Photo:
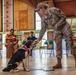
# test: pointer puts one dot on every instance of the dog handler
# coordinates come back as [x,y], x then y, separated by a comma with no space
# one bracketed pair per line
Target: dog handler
[57,20]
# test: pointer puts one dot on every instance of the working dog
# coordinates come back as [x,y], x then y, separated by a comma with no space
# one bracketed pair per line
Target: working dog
[19,57]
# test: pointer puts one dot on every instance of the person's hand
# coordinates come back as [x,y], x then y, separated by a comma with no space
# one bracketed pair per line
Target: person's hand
[14,43]
[6,44]
[36,41]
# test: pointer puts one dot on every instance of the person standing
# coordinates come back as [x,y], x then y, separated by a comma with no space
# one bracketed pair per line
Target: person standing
[57,20]
[11,43]
[33,38]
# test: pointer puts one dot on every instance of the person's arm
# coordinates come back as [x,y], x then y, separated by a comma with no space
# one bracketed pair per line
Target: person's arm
[7,40]
[43,29]
[28,38]
[16,41]
[61,16]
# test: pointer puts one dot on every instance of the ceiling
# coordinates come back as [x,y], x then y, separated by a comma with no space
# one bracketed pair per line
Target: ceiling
[67,6]
[33,3]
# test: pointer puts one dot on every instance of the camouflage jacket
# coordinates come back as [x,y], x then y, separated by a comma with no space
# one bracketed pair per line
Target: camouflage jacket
[56,16]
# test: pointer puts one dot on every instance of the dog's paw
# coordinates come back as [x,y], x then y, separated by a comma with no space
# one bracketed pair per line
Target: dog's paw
[15,70]
[6,70]
[27,70]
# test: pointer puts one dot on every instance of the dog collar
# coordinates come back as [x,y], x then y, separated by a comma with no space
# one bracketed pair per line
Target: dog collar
[25,48]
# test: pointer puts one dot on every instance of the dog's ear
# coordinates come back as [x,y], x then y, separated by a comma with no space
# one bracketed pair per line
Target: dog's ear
[28,43]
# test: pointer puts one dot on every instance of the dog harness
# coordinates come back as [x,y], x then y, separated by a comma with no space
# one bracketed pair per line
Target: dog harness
[25,48]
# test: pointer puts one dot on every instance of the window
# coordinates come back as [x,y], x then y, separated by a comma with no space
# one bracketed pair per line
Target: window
[38,22]
[38,27]
[72,22]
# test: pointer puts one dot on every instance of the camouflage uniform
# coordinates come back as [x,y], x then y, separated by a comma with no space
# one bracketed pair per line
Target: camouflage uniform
[57,17]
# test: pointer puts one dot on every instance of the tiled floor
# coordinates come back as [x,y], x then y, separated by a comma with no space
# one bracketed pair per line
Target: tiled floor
[41,64]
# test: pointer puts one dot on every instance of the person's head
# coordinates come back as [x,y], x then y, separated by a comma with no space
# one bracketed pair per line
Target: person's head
[29,43]
[31,33]
[11,31]
[41,9]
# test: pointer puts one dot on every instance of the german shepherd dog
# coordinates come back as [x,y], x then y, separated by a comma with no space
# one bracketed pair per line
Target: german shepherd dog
[19,57]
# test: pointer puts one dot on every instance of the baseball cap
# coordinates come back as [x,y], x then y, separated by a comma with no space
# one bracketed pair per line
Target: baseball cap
[40,5]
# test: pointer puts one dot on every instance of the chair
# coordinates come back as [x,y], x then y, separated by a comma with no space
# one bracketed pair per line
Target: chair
[24,42]
[50,42]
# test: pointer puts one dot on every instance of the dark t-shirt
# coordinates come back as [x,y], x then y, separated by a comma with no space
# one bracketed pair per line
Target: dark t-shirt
[31,38]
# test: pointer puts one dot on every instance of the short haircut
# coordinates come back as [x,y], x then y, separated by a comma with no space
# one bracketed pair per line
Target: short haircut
[11,29]
[31,32]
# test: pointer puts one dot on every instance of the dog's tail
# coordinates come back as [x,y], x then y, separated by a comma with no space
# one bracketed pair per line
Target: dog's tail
[10,67]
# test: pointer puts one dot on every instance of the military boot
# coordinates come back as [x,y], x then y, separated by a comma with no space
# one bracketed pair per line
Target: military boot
[58,65]
[73,52]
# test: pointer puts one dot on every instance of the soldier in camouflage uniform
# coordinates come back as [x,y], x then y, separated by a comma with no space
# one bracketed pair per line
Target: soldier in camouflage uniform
[56,18]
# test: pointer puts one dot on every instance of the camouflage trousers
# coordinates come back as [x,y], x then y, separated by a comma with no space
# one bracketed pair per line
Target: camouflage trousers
[65,32]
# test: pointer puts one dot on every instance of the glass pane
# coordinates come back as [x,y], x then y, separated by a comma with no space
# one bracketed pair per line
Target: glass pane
[38,25]
[74,21]
[69,21]
[37,17]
